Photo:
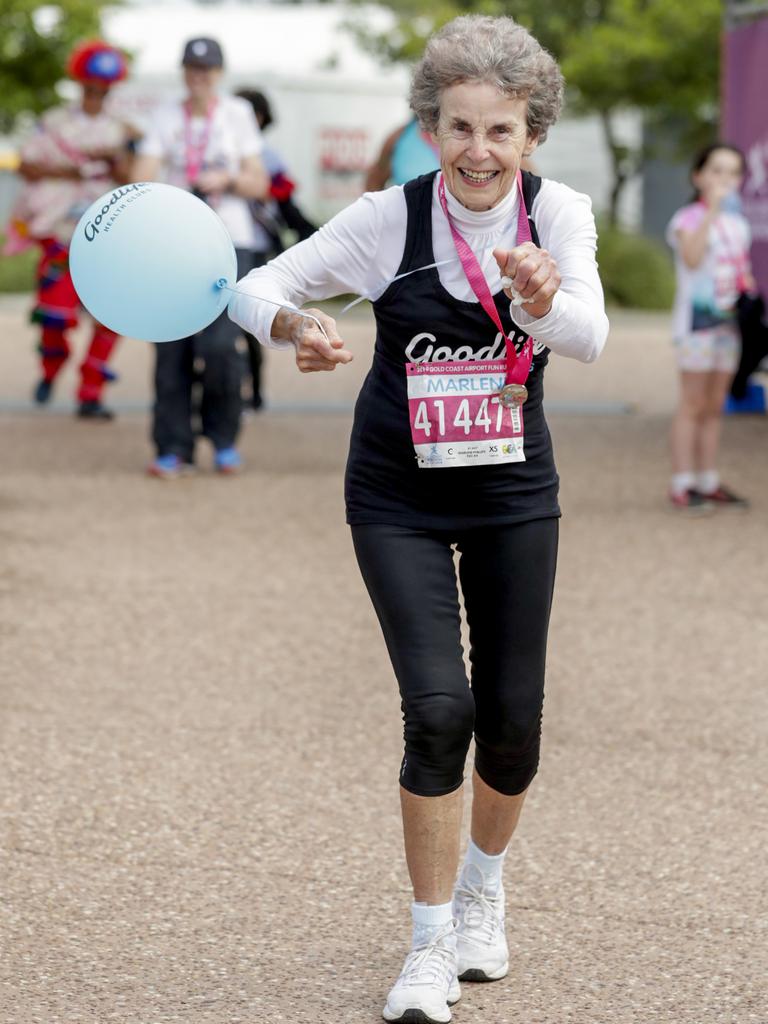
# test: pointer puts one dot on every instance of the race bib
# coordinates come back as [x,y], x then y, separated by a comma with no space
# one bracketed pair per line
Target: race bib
[456,416]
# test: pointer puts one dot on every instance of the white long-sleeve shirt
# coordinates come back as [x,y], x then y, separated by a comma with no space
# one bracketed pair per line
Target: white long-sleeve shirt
[361,248]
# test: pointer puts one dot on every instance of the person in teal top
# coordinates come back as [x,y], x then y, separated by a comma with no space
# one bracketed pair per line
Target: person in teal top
[407,153]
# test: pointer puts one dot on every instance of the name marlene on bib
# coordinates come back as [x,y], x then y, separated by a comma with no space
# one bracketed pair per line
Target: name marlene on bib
[456,417]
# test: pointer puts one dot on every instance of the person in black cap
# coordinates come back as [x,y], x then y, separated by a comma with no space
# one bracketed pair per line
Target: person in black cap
[210,144]
[202,53]
[271,218]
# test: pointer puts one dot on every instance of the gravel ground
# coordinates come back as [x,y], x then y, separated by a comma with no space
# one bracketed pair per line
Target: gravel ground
[201,733]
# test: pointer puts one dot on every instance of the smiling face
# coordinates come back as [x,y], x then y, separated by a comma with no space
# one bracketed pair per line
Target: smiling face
[483,135]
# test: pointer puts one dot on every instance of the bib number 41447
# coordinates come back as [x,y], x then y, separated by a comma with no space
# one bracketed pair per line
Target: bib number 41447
[489,418]
[457,418]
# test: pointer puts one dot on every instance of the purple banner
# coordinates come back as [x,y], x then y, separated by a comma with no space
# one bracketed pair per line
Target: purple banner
[745,123]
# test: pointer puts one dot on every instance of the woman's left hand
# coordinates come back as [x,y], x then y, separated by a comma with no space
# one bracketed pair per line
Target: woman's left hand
[534,276]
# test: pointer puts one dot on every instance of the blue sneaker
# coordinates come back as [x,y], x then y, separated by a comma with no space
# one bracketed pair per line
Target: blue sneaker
[228,460]
[169,467]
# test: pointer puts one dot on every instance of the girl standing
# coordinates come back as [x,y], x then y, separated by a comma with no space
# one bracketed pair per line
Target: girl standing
[711,241]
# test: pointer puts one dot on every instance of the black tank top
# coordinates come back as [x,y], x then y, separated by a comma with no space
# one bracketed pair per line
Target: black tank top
[416,318]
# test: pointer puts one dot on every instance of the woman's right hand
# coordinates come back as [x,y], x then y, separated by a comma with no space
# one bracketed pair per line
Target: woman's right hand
[314,351]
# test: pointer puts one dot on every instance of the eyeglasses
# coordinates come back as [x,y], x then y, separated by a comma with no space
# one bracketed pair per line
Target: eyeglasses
[498,136]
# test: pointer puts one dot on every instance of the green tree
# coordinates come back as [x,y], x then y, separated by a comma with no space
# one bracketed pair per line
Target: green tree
[659,57]
[35,41]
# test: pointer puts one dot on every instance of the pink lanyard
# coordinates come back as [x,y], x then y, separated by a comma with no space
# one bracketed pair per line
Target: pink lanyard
[75,155]
[733,253]
[518,364]
[194,154]
[78,158]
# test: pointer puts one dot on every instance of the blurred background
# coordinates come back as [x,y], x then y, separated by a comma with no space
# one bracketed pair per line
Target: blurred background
[648,84]
[200,731]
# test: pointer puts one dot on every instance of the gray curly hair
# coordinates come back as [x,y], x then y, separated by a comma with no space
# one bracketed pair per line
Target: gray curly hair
[479,48]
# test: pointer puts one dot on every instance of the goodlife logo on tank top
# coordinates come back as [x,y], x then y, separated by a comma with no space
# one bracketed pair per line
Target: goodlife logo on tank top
[422,349]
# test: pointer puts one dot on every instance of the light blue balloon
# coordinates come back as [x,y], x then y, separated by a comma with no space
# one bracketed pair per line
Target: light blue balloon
[150,261]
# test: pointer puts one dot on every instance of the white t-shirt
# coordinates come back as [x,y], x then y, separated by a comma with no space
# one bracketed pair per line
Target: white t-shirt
[361,248]
[706,295]
[230,135]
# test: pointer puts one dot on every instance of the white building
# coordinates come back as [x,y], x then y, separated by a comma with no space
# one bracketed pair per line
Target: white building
[333,103]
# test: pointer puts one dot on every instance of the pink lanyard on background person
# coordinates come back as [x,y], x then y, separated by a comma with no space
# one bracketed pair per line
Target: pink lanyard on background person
[734,253]
[194,153]
[514,391]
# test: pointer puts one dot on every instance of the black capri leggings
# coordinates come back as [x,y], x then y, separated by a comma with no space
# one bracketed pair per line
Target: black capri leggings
[507,575]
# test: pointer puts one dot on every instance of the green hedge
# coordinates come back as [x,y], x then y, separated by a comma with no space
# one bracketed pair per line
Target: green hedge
[17,273]
[636,271]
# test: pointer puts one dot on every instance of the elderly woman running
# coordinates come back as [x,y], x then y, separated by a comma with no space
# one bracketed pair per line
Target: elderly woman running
[476,272]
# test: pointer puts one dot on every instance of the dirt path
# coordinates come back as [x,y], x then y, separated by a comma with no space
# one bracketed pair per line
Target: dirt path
[201,734]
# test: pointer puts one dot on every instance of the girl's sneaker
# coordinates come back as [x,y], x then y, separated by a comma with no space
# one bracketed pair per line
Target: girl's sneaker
[724,498]
[228,461]
[169,467]
[427,986]
[691,503]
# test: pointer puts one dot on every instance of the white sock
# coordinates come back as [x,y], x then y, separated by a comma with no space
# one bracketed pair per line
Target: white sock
[707,481]
[492,865]
[682,482]
[429,920]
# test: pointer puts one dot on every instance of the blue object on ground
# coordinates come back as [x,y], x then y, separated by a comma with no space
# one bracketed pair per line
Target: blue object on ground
[752,402]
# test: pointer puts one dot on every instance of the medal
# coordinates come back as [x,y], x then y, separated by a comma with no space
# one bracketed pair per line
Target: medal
[512,395]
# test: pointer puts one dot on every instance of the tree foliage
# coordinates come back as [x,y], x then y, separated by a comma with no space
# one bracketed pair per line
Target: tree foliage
[35,41]
[659,57]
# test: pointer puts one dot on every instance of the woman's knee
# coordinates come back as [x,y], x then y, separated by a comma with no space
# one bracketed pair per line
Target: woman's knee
[438,730]
[507,752]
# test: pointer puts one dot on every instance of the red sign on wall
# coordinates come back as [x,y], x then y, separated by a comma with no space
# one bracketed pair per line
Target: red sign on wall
[343,150]
[343,158]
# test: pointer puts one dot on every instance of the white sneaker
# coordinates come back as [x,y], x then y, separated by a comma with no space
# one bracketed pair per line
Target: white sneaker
[480,939]
[427,986]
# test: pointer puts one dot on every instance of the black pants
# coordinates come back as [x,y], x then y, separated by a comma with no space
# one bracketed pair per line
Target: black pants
[507,576]
[255,350]
[220,405]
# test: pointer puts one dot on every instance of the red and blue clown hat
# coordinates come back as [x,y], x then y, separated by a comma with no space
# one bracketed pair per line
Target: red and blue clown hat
[96,61]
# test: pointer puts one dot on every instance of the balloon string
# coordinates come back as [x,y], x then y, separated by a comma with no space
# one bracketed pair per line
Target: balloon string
[221,283]
[505,281]
[399,277]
